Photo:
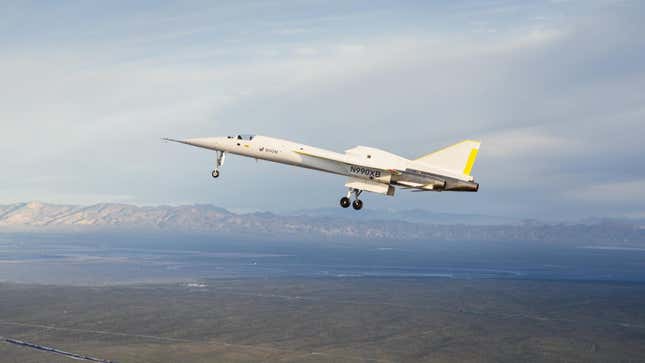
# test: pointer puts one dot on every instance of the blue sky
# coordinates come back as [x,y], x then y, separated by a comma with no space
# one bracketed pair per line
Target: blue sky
[554,89]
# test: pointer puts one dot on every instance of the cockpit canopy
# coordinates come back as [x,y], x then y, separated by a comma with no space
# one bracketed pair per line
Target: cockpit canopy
[248,137]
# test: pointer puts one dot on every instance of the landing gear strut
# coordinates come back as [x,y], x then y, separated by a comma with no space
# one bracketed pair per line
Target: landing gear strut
[345,202]
[218,163]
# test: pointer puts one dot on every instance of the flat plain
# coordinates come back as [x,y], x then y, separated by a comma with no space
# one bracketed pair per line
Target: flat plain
[329,319]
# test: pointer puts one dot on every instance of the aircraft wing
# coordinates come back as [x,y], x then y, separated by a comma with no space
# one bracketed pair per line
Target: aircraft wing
[345,159]
[319,155]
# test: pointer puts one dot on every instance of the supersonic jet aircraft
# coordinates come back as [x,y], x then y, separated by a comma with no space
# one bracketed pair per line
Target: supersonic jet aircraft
[367,169]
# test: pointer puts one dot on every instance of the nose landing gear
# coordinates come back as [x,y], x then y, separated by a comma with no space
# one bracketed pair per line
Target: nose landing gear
[345,202]
[218,163]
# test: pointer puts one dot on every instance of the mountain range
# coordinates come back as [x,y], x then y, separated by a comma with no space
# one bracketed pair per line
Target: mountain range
[321,224]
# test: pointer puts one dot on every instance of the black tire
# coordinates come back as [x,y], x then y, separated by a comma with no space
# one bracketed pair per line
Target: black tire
[215,173]
[344,202]
[358,204]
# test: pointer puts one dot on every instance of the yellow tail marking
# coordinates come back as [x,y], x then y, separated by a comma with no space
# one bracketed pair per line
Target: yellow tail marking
[471,161]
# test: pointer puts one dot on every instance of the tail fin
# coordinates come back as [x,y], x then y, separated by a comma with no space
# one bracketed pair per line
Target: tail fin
[459,157]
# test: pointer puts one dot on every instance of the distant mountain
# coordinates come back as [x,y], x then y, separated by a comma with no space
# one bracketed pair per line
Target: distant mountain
[37,216]
[310,225]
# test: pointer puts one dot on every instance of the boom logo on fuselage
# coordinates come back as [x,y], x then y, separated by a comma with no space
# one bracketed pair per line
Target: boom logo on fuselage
[365,171]
[267,150]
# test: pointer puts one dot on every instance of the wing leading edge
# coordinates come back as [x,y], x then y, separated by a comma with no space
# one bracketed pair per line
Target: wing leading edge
[349,159]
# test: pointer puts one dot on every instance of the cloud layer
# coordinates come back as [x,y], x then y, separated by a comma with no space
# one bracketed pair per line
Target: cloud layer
[555,91]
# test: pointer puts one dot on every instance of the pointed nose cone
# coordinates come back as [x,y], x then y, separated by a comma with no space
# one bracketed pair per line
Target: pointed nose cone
[213,143]
[205,142]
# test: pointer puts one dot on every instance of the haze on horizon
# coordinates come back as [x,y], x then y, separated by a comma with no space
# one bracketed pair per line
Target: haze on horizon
[554,89]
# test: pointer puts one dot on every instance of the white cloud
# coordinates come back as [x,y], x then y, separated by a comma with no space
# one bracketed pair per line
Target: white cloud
[532,142]
[548,97]
[306,51]
[622,192]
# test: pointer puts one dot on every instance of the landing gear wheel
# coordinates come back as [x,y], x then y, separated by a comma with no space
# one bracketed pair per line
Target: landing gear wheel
[215,173]
[358,204]
[344,202]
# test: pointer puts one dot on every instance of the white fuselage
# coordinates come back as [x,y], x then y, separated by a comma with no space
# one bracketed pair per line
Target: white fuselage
[276,150]
[365,163]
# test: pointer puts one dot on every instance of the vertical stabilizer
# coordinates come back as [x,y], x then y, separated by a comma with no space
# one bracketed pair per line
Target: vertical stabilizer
[458,158]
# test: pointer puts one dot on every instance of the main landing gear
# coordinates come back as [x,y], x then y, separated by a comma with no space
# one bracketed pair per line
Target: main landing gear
[218,163]
[357,204]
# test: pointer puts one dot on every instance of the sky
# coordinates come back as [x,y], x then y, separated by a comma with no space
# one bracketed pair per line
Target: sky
[555,90]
